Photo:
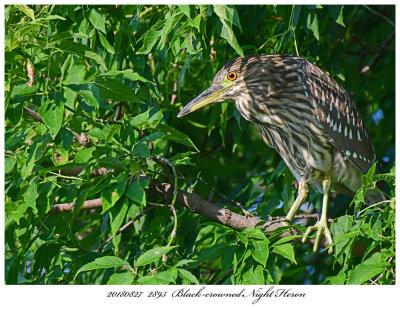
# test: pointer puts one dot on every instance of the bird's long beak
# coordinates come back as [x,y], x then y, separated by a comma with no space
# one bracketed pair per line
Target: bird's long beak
[208,96]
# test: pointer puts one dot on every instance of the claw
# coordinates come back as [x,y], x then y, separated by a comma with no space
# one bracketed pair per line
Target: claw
[322,229]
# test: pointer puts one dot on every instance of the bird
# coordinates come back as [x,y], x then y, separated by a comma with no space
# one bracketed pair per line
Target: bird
[307,117]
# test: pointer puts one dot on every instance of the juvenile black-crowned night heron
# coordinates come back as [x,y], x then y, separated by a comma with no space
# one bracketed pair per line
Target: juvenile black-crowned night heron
[306,116]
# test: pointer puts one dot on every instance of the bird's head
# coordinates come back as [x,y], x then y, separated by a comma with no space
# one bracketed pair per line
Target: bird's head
[226,85]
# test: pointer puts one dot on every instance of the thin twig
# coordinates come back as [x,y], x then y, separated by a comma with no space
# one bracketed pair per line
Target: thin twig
[174,181]
[374,205]
[236,203]
[380,15]
[173,233]
[117,112]
[224,276]
[366,68]
[82,139]
[171,206]
[380,276]
[145,211]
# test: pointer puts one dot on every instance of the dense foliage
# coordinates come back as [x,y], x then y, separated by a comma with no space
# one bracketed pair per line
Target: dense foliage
[91,98]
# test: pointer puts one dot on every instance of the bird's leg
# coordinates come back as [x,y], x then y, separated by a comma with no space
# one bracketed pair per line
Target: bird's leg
[322,225]
[302,194]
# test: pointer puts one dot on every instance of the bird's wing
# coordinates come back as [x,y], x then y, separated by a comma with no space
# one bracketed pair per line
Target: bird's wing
[340,118]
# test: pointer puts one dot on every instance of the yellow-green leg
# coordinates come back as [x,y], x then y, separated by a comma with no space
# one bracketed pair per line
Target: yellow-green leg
[322,225]
[302,194]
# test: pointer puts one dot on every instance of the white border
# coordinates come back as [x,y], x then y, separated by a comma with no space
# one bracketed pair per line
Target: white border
[21,296]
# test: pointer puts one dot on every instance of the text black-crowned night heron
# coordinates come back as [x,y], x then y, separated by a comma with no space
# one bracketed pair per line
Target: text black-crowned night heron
[306,116]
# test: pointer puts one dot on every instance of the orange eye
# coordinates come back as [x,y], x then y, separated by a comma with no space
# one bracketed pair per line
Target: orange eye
[232,75]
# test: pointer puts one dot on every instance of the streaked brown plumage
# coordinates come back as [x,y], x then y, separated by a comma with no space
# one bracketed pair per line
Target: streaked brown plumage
[306,116]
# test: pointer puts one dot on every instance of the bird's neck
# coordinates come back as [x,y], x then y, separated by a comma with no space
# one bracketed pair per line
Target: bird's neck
[253,111]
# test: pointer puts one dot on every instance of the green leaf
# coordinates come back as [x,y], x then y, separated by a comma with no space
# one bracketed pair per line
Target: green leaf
[181,76]
[111,89]
[23,89]
[254,232]
[371,267]
[211,253]
[52,112]
[113,163]
[225,15]
[69,47]
[336,12]
[117,215]
[286,239]
[176,136]
[258,275]
[75,75]
[185,9]
[260,251]
[188,276]
[111,194]
[89,93]
[84,155]
[105,44]
[254,276]
[339,279]
[166,277]
[136,193]
[80,200]
[147,280]
[229,14]
[169,24]
[26,10]
[140,119]
[125,278]
[344,236]
[9,163]
[184,262]
[152,255]
[312,24]
[127,74]
[98,20]
[100,133]
[14,111]
[103,262]
[362,273]
[141,149]
[44,254]
[242,237]
[286,250]
[31,194]
[227,33]
[36,152]
[150,38]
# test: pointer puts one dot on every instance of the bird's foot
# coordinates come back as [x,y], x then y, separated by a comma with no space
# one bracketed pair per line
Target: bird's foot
[322,230]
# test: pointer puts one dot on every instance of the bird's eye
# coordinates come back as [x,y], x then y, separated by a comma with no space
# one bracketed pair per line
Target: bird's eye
[232,75]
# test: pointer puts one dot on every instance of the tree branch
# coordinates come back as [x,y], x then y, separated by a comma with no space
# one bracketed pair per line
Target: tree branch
[380,15]
[198,205]
[366,68]
[145,211]
[67,207]
[82,138]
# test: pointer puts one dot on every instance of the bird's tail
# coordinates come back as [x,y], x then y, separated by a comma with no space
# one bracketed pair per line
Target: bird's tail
[374,196]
